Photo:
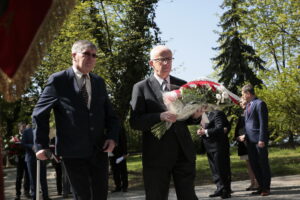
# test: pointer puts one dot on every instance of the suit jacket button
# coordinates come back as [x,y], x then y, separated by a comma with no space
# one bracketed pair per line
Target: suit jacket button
[92,128]
[91,114]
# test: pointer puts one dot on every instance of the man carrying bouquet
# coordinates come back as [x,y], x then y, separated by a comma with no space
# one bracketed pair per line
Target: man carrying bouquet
[174,153]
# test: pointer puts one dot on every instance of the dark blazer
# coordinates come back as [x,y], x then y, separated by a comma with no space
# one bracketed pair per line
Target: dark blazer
[146,106]
[256,122]
[27,142]
[79,130]
[240,130]
[121,148]
[217,140]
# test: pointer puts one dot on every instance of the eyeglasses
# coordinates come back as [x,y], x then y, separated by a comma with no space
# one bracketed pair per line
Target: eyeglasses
[93,55]
[163,60]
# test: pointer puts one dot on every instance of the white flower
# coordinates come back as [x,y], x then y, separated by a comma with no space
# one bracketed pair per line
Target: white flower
[225,95]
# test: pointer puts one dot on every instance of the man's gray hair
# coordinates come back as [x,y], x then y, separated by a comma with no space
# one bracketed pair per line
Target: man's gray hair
[81,45]
[158,48]
[248,88]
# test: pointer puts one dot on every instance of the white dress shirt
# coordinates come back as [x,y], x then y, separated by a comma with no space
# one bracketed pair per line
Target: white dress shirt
[79,80]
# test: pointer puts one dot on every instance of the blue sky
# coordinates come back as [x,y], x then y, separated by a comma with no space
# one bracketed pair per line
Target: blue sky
[188,27]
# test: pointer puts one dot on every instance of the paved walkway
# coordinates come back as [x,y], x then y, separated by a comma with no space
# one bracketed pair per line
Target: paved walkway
[283,188]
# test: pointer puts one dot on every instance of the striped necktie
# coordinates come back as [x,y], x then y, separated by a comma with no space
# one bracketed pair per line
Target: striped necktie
[83,90]
[164,86]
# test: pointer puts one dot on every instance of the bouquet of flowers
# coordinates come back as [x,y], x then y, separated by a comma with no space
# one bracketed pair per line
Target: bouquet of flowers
[188,98]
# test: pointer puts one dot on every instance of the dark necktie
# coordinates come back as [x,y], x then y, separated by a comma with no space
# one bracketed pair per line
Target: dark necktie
[83,91]
[248,108]
[164,86]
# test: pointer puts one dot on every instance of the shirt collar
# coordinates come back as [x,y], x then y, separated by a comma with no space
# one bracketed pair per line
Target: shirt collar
[78,74]
[160,80]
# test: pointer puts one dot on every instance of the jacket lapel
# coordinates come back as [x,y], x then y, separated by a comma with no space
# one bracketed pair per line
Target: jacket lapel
[253,104]
[72,79]
[155,87]
[74,85]
[93,90]
[173,84]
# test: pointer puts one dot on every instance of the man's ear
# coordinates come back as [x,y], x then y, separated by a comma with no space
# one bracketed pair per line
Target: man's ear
[73,56]
[151,63]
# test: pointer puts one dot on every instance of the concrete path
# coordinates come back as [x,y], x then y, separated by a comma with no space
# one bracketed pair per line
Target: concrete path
[282,188]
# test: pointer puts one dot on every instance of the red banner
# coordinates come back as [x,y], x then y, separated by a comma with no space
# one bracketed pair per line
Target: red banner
[27,28]
[18,26]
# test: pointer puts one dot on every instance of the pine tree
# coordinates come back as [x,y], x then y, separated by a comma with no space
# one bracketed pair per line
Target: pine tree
[237,61]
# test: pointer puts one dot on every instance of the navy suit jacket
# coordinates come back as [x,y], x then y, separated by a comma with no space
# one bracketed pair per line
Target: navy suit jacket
[27,142]
[256,122]
[79,130]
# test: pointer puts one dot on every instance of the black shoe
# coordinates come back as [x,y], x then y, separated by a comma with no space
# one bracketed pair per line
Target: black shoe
[225,195]
[47,198]
[216,194]
[258,192]
[27,195]
[124,190]
[116,190]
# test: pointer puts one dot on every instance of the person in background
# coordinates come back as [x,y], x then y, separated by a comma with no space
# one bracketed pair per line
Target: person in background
[215,139]
[62,182]
[174,154]
[239,136]
[21,165]
[86,126]
[30,158]
[257,137]
[119,164]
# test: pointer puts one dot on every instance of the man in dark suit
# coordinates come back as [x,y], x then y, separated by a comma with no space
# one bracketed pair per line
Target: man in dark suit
[21,164]
[86,126]
[30,158]
[257,137]
[119,164]
[173,154]
[216,143]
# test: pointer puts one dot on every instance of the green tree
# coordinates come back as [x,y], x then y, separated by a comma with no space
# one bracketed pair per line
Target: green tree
[124,31]
[273,27]
[237,62]
[282,93]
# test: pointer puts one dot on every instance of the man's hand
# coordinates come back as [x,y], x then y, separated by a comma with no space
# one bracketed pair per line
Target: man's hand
[109,145]
[241,138]
[41,155]
[261,144]
[201,131]
[168,117]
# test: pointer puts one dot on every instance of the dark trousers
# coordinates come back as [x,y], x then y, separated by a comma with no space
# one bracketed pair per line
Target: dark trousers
[219,163]
[22,172]
[259,161]
[58,175]
[157,180]
[120,173]
[88,176]
[31,165]
[62,181]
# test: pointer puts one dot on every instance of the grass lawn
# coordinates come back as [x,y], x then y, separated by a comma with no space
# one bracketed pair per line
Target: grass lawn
[282,162]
